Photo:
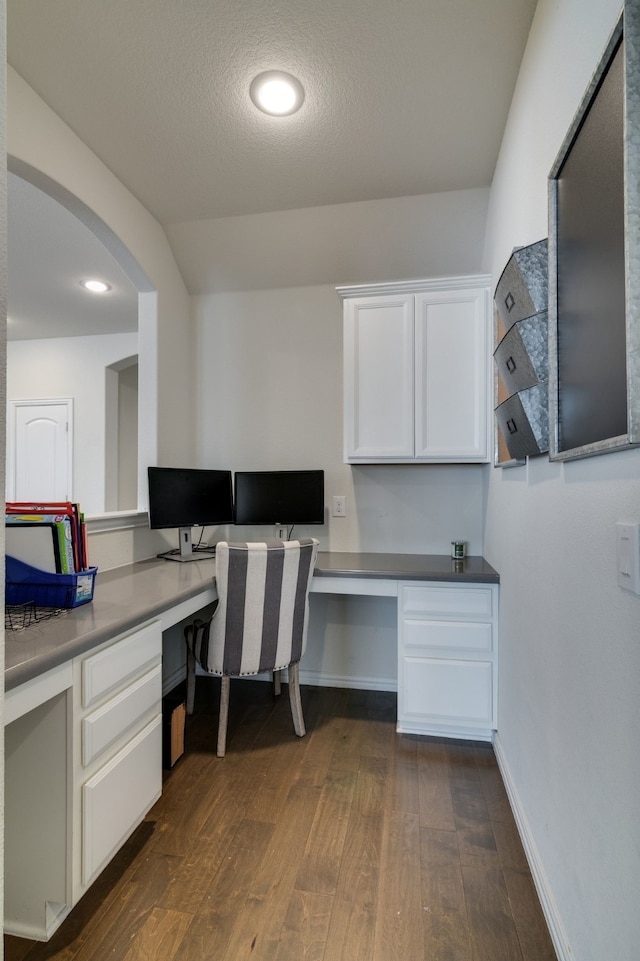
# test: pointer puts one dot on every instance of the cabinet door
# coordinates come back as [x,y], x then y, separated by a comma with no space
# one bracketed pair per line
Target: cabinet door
[445,693]
[451,374]
[378,383]
[117,797]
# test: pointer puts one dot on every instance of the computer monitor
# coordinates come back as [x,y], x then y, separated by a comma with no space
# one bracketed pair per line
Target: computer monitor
[185,497]
[279,497]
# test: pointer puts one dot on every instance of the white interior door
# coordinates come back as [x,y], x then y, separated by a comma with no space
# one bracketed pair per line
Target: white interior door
[40,450]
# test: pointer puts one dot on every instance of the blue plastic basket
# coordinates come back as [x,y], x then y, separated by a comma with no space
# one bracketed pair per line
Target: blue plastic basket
[25,584]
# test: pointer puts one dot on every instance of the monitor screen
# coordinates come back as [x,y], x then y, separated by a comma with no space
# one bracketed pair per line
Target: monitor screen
[279,497]
[185,497]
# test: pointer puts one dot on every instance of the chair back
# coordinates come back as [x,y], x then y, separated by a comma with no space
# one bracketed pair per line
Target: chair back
[260,623]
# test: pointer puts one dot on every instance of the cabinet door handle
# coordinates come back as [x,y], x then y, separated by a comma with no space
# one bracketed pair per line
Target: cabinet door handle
[510,364]
[512,426]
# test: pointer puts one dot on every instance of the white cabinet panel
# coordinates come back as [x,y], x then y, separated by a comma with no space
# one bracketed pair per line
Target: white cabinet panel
[456,635]
[452,601]
[109,722]
[111,667]
[378,395]
[449,691]
[416,372]
[117,771]
[118,796]
[447,659]
[452,353]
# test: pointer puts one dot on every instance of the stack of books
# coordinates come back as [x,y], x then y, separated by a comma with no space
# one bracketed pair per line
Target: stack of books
[46,563]
[49,536]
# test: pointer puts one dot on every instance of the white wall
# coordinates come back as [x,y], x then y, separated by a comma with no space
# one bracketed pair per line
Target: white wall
[355,243]
[569,708]
[270,388]
[271,398]
[73,367]
[39,139]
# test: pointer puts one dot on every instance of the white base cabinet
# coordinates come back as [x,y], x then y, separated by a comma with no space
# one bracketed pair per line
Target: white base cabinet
[447,659]
[82,770]
[118,796]
[118,747]
[417,372]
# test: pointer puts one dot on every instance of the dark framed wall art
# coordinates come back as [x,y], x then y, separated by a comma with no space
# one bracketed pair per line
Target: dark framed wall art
[594,260]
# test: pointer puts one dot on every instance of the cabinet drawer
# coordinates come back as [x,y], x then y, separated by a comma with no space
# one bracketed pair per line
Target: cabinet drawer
[447,635]
[113,666]
[120,713]
[448,691]
[454,601]
[118,796]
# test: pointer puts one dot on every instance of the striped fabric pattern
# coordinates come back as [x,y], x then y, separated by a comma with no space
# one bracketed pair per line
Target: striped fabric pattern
[260,623]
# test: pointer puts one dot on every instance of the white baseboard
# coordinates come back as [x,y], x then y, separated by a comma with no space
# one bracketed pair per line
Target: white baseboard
[321,679]
[547,900]
[172,680]
[314,678]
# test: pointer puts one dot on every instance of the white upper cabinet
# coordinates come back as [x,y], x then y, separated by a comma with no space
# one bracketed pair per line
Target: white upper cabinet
[416,372]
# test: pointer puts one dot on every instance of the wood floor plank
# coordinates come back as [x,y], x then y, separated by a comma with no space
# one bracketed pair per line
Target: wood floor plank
[260,919]
[509,845]
[349,746]
[434,785]
[159,936]
[492,785]
[351,844]
[491,925]
[402,792]
[533,933]
[109,935]
[113,936]
[320,862]
[475,831]
[446,925]
[304,931]
[323,741]
[209,933]
[370,787]
[351,931]
[398,930]
[270,797]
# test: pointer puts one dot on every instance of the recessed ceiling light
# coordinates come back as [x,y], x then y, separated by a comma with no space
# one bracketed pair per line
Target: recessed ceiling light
[95,286]
[277,93]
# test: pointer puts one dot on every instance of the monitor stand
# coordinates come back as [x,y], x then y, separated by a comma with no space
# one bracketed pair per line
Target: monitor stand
[185,552]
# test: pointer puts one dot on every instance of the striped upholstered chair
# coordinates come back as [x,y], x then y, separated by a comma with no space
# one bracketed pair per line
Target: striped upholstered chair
[260,622]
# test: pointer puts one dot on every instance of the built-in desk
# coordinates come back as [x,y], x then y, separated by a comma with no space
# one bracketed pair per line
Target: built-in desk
[156,589]
[83,703]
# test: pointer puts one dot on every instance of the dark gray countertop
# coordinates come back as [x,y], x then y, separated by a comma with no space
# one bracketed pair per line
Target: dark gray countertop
[430,567]
[129,595]
[123,598]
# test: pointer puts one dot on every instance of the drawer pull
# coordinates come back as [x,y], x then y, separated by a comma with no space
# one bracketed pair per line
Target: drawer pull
[512,427]
[510,364]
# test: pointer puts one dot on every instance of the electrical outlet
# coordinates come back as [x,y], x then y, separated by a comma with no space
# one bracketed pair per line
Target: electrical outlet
[339,506]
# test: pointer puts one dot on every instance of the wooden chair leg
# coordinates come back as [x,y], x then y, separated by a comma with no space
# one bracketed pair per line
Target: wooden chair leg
[296,702]
[224,714]
[277,682]
[191,680]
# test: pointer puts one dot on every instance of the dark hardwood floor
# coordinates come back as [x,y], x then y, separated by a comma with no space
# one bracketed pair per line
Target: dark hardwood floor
[352,844]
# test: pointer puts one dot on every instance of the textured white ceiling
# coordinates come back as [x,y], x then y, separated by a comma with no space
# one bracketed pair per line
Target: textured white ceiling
[403,97]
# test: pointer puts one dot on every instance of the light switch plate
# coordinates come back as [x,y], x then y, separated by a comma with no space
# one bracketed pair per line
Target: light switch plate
[628,554]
